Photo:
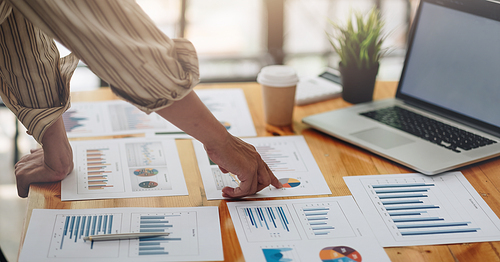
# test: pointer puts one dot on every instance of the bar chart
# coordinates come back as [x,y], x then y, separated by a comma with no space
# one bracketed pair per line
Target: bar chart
[413,209]
[409,207]
[182,240]
[119,168]
[58,235]
[330,229]
[265,223]
[323,220]
[69,231]
[317,219]
[97,170]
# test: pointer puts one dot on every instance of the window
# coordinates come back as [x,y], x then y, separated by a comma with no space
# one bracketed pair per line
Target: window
[235,38]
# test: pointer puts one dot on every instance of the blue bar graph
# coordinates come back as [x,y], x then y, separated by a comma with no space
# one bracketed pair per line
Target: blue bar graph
[77,226]
[408,204]
[156,245]
[317,218]
[267,217]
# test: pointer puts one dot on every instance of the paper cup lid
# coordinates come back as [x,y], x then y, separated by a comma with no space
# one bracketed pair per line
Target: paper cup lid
[277,76]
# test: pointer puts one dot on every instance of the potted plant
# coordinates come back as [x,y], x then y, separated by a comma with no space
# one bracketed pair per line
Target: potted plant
[359,45]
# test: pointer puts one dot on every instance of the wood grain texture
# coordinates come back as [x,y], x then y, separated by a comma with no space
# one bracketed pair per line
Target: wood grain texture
[335,158]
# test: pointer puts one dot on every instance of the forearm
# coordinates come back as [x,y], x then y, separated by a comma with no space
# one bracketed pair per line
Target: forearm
[230,153]
[52,163]
[194,118]
[57,151]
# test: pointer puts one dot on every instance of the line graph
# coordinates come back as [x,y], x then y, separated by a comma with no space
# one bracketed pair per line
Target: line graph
[145,154]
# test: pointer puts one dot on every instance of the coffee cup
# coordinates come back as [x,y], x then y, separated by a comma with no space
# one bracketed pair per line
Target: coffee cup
[278,83]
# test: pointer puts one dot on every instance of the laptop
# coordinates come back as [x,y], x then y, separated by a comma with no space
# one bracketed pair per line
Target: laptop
[446,112]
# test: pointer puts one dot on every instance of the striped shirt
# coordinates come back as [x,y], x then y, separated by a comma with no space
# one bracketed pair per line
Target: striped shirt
[115,39]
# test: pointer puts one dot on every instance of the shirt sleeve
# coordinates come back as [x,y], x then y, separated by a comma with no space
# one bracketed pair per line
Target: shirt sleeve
[116,40]
[34,80]
[121,44]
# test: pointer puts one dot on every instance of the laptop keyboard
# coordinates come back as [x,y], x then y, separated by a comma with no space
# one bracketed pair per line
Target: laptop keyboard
[429,129]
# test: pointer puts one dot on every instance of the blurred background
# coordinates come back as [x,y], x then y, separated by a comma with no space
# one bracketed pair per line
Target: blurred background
[234,40]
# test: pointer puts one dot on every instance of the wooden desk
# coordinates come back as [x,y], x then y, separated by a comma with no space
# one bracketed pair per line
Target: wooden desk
[335,159]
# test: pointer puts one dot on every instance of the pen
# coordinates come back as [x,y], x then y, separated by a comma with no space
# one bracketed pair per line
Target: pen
[123,236]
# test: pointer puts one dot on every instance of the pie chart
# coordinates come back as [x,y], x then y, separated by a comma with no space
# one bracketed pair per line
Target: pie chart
[339,254]
[145,172]
[227,125]
[290,182]
[148,184]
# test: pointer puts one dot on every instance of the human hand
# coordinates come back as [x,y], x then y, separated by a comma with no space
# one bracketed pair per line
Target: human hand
[241,159]
[33,168]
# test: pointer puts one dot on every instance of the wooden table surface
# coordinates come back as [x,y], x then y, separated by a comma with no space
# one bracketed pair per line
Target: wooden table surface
[335,158]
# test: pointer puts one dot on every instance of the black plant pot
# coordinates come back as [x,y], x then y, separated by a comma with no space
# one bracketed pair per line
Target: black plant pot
[358,83]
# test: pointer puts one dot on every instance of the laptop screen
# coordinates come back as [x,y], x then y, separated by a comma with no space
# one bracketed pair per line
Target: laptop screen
[453,62]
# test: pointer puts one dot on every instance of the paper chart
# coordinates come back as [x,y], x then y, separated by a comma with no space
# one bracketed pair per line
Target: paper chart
[288,157]
[58,235]
[414,209]
[117,117]
[315,229]
[120,168]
